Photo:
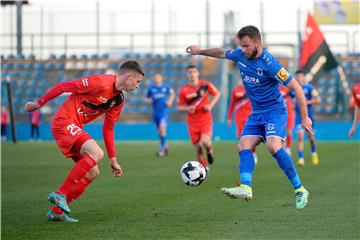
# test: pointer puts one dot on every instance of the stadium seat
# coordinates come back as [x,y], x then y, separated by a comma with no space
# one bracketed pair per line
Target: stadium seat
[52,57]
[59,66]
[330,109]
[7,66]
[10,57]
[73,57]
[105,56]
[18,66]
[50,66]
[29,66]
[31,57]
[39,66]
[62,57]
[20,56]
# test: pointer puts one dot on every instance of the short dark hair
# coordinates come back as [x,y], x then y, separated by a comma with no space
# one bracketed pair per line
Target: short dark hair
[192,66]
[133,66]
[250,31]
[299,72]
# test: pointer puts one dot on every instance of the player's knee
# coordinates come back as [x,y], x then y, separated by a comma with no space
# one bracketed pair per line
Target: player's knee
[272,147]
[93,173]
[98,154]
[205,142]
[241,146]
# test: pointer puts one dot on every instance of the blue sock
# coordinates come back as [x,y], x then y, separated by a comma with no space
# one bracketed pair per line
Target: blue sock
[301,154]
[287,165]
[246,167]
[313,148]
[162,142]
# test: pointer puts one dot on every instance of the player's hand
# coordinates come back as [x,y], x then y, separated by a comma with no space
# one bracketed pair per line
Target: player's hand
[229,122]
[32,106]
[352,131]
[307,125]
[193,50]
[208,108]
[191,109]
[169,103]
[116,168]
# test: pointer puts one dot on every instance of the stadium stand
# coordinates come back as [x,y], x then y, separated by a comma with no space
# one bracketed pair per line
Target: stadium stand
[31,77]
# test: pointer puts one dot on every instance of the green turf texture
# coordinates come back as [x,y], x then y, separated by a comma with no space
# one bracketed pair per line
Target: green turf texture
[150,201]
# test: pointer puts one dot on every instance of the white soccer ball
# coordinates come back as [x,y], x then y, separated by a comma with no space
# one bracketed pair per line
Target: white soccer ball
[193,173]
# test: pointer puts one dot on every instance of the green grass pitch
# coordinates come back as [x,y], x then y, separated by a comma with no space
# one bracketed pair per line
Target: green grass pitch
[150,201]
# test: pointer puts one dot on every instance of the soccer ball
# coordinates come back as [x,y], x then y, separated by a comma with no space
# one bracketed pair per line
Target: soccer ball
[193,173]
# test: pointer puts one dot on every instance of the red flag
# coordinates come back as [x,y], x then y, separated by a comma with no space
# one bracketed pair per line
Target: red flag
[315,53]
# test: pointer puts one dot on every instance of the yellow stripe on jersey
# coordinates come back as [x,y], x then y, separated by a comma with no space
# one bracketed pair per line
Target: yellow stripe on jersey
[283,74]
[314,93]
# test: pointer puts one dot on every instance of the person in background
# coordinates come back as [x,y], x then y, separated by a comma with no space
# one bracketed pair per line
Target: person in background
[312,98]
[356,96]
[4,122]
[35,123]
[161,97]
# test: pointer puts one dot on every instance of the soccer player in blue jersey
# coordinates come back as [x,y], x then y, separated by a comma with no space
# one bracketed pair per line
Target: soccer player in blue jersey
[262,74]
[161,97]
[312,98]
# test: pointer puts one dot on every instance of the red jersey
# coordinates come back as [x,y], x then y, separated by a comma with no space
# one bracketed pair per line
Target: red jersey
[35,118]
[239,103]
[90,98]
[285,92]
[356,94]
[197,96]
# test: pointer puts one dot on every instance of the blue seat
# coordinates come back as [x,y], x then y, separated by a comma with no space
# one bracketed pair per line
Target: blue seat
[330,109]
[7,66]
[29,66]
[94,56]
[50,66]
[20,56]
[62,57]
[59,66]
[31,57]
[39,66]
[31,83]
[114,65]
[105,55]
[73,57]
[83,56]
[18,66]
[10,57]
[52,56]
[100,71]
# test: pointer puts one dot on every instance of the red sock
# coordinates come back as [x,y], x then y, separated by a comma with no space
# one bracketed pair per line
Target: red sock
[78,172]
[203,162]
[288,141]
[75,191]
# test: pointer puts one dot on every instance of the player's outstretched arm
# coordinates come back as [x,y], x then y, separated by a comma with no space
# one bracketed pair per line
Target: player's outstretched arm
[50,94]
[300,97]
[211,52]
[355,122]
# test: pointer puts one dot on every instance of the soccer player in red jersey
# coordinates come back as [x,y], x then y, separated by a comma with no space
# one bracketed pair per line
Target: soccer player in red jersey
[194,99]
[240,103]
[90,98]
[285,92]
[356,95]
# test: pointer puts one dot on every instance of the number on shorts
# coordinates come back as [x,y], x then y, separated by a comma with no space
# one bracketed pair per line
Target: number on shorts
[73,129]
